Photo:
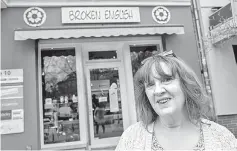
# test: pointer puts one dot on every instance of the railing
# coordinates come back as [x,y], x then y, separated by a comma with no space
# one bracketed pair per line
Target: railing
[220,16]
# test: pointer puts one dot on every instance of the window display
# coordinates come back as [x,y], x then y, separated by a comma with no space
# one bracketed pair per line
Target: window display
[59,93]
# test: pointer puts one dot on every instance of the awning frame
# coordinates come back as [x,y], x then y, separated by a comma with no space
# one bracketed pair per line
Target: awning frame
[96,31]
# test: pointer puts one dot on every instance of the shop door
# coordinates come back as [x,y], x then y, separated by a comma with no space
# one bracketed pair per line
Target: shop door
[107,105]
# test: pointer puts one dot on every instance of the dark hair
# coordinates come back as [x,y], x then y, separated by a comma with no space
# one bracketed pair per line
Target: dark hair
[93,96]
[197,101]
[101,105]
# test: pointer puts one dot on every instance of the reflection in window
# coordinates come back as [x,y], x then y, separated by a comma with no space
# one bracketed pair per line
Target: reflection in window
[139,53]
[106,103]
[96,55]
[59,93]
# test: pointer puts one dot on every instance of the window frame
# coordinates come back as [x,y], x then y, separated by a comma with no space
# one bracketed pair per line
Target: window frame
[80,90]
[104,142]
[102,46]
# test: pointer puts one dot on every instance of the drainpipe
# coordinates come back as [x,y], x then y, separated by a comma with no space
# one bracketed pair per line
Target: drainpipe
[198,29]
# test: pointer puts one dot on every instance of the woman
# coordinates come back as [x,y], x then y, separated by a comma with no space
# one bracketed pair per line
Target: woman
[99,117]
[173,110]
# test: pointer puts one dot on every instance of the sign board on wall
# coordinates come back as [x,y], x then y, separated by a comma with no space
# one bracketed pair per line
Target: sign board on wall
[72,15]
[12,112]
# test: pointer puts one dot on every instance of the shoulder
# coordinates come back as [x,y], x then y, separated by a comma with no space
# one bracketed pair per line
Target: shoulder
[218,135]
[134,129]
[133,137]
[215,126]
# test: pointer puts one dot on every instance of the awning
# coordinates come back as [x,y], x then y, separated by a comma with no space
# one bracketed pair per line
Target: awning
[104,31]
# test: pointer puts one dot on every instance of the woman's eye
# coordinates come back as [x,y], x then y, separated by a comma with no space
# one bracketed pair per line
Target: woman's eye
[150,84]
[167,80]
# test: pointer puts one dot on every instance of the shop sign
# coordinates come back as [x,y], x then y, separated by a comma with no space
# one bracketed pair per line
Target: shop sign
[72,15]
[161,15]
[11,95]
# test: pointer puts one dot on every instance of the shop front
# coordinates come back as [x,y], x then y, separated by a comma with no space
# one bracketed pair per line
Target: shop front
[94,100]
[81,61]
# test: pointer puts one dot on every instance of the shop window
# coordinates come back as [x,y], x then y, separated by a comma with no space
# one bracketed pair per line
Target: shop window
[59,96]
[139,53]
[235,52]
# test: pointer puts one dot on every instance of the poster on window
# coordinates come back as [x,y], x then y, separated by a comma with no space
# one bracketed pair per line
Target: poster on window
[11,95]
[102,99]
[113,96]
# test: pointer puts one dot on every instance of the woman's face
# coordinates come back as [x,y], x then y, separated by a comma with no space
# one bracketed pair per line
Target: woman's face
[164,93]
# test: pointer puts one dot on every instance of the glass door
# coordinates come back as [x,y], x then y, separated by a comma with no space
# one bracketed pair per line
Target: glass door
[106,103]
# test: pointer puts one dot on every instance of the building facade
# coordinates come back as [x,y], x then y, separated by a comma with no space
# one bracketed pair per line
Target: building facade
[77,60]
[219,30]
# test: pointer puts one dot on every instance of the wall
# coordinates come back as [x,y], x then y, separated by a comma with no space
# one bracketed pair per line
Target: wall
[223,71]
[230,122]
[213,3]
[20,55]
[185,46]
[221,59]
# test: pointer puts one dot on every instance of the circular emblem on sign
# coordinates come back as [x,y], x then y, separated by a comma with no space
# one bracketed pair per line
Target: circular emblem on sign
[34,16]
[161,14]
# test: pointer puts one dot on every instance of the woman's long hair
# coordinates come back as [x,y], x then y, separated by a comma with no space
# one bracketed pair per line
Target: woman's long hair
[197,102]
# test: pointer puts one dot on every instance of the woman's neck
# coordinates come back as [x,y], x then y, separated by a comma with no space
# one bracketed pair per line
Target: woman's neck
[173,121]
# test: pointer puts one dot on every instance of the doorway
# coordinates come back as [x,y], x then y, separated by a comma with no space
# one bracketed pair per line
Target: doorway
[106,93]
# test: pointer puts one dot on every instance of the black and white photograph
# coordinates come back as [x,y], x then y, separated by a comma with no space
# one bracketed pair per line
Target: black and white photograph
[118,75]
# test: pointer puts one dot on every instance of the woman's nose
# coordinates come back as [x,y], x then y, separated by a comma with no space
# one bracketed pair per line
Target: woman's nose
[159,89]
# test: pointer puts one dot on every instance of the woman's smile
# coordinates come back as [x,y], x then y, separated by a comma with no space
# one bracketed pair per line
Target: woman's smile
[163,100]
[164,92]
[172,106]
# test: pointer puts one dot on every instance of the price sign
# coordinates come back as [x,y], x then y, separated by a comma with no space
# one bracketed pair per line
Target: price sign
[12,112]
